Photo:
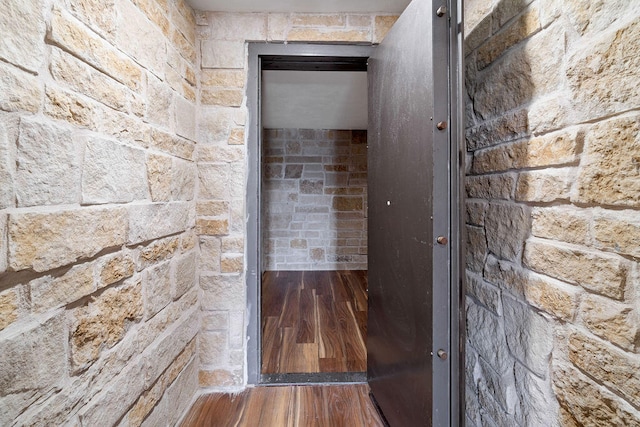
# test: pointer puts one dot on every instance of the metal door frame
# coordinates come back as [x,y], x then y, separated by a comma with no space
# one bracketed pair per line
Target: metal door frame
[253,196]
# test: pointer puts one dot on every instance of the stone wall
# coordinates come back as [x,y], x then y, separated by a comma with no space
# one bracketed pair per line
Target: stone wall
[314,200]
[553,212]
[98,250]
[221,158]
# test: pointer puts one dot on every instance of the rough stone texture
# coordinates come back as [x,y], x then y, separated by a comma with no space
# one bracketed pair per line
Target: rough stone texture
[490,186]
[9,309]
[112,173]
[21,91]
[609,172]
[485,334]
[476,248]
[545,186]
[151,221]
[506,229]
[48,165]
[598,272]
[223,292]
[159,179]
[566,224]
[615,322]
[53,292]
[41,240]
[184,274]
[618,231]
[24,47]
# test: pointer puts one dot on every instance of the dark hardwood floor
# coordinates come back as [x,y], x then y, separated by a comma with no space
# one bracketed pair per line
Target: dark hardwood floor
[314,321]
[287,406]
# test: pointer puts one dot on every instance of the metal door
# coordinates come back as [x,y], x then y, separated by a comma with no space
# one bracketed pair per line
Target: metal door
[413,227]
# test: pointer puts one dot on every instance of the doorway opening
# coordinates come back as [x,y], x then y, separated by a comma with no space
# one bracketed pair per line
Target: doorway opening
[309,161]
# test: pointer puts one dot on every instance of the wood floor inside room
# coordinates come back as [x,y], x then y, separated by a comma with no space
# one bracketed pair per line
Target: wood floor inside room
[290,406]
[314,321]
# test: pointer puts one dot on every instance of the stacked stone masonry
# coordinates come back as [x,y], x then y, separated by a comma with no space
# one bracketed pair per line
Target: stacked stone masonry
[314,189]
[221,158]
[98,248]
[553,212]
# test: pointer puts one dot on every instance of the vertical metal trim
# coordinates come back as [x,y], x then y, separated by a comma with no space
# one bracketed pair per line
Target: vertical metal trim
[442,218]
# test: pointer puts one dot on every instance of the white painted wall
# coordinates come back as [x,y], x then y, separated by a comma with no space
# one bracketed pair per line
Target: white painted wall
[314,99]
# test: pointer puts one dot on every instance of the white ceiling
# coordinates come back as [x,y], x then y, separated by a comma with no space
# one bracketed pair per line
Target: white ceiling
[301,6]
[314,100]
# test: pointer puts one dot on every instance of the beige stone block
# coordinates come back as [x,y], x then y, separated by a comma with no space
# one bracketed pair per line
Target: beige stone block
[180,394]
[382,24]
[23,369]
[610,320]
[112,173]
[277,26]
[172,144]
[182,17]
[212,208]
[184,274]
[63,105]
[223,97]
[157,251]
[223,292]
[72,36]
[318,20]
[183,180]
[100,16]
[612,367]
[347,203]
[524,26]
[125,128]
[236,137]
[231,263]
[506,274]
[475,211]
[222,54]
[587,403]
[550,113]
[214,181]
[186,47]
[9,131]
[210,252]
[506,228]
[486,293]
[185,114]
[151,221]
[476,250]
[41,240]
[86,80]
[157,289]
[3,243]
[552,296]
[147,402]
[545,185]
[48,160]
[476,37]
[19,91]
[499,186]
[156,13]
[618,231]
[609,172]
[602,73]
[189,240]
[219,378]
[58,291]
[599,272]
[9,309]
[359,20]
[223,78]
[233,244]
[237,180]
[103,322]
[159,110]
[220,154]
[212,227]
[238,26]
[563,223]
[558,148]
[328,35]
[477,12]
[23,27]
[508,127]
[159,173]
[215,123]
[237,330]
[215,320]
[214,348]
[114,268]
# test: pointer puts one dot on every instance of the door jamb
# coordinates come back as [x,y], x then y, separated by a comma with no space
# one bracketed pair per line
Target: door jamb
[254,173]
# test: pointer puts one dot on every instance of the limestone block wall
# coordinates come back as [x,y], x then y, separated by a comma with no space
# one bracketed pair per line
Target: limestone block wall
[98,249]
[314,199]
[553,212]
[221,158]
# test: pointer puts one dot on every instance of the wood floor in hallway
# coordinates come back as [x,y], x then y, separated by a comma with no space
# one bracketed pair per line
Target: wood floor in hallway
[287,406]
[314,321]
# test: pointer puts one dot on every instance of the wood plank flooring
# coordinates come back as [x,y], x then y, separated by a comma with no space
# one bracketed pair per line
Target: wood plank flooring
[314,321]
[287,406]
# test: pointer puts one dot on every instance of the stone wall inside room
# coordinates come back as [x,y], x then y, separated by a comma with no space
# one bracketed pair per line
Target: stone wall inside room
[221,157]
[314,199]
[553,212]
[98,249]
